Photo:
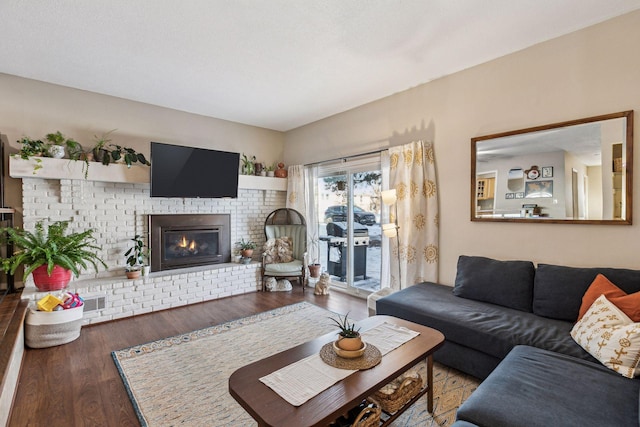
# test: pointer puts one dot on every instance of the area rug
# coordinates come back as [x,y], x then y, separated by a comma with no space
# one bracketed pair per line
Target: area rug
[183,380]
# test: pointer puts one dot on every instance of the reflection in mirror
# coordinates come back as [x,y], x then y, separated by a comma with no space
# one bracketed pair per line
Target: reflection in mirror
[571,172]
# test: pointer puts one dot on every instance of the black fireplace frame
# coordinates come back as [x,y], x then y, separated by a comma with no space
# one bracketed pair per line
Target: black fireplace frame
[172,222]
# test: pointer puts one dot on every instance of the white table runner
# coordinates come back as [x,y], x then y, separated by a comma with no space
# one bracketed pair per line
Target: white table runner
[306,378]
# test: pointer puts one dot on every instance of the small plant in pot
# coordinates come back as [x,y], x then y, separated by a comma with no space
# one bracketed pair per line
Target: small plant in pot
[99,149]
[246,248]
[136,256]
[314,269]
[53,256]
[349,337]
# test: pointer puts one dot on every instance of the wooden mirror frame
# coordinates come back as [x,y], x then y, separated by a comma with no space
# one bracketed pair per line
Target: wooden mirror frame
[628,169]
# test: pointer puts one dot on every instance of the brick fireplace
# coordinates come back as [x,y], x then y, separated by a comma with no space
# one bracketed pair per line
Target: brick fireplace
[119,211]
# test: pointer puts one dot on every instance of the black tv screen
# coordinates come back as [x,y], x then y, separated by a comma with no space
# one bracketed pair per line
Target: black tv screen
[178,171]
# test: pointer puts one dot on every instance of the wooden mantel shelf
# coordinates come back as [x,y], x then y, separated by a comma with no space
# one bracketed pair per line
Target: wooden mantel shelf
[75,169]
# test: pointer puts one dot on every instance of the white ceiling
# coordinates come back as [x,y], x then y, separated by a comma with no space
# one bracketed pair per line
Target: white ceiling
[277,64]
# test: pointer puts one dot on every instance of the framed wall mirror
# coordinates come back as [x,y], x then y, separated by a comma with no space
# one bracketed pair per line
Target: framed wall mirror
[577,172]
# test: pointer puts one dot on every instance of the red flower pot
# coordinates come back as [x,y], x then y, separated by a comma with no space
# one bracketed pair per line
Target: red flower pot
[59,279]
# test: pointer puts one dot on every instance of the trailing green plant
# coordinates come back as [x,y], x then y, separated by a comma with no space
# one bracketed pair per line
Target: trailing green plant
[137,254]
[244,245]
[347,330]
[33,148]
[129,155]
[53,247]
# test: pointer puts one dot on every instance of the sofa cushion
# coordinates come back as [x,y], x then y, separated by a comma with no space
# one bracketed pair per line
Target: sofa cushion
[534,387]
[505,283]
[558,290]
[628,303]
[610,336]
[488,328]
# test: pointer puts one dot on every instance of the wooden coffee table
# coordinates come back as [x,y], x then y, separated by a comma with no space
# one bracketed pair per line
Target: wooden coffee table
[269,409]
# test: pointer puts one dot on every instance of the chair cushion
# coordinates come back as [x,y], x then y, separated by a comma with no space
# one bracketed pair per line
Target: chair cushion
[293,268]
[505,283]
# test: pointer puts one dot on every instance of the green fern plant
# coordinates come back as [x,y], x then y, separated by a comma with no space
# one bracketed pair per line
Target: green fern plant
[53,247]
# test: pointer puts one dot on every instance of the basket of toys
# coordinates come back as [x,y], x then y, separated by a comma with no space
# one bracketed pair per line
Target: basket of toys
[53,320]
[398,392]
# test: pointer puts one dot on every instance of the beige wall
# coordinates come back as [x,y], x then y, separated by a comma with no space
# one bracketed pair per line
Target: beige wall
[32,108]
[589,72]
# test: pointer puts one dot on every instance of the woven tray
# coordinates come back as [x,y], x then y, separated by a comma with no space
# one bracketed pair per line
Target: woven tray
[398,392]
[369,359]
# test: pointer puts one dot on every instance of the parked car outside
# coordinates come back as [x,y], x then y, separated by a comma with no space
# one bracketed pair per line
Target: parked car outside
[338,213]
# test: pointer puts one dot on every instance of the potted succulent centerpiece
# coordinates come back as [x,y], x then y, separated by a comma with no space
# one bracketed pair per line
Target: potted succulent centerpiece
[51,256]
[349,338]
[136,257]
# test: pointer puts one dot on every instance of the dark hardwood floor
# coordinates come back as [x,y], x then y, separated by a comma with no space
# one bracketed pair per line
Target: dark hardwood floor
[77,384]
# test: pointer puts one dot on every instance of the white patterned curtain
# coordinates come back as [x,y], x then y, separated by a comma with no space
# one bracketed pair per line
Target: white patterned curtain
[295,189]
[412,174]
[301,197]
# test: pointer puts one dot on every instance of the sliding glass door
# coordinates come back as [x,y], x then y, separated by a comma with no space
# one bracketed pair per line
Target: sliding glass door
[348,206]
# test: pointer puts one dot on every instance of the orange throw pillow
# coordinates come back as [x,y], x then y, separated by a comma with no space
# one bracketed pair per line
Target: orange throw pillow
[628,303]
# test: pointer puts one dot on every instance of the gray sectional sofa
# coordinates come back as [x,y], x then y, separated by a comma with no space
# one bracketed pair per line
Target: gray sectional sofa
[509,323]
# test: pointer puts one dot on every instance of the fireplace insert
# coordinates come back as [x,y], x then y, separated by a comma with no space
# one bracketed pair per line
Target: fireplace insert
[188,240]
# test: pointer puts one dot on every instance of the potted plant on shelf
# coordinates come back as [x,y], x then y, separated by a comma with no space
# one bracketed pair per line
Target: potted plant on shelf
[128,155]
[349,338]
[32,148]
[136,256]
[53,256]
[58,143]
[271,170]
[99,149]
[248,165]
[246,248]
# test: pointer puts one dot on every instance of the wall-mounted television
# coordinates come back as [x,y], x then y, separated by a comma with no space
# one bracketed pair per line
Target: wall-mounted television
[178,171]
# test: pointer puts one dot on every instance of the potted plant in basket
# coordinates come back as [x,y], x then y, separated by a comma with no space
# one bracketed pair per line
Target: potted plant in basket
[136,256]
[52,256]
[350,338]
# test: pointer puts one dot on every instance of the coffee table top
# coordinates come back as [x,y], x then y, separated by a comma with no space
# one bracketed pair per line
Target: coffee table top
[268,408]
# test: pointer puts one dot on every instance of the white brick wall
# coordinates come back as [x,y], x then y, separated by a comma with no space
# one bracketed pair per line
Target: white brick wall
[119,211]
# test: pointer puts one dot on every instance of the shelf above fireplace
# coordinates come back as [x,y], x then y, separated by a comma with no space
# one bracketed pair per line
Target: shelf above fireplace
[74,169]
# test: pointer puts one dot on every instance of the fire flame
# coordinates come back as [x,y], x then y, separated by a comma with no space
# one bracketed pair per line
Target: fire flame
[185,244]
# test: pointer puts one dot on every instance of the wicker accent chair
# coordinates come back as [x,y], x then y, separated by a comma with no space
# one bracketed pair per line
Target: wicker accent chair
[279,224]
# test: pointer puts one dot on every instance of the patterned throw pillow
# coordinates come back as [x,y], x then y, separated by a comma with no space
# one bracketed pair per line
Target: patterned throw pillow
[284,247]
[269,251]
[610,336]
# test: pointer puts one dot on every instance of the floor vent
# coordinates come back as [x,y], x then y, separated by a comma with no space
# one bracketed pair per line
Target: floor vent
[95,303]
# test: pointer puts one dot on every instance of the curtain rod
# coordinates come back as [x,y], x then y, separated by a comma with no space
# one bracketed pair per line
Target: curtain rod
[347,157]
